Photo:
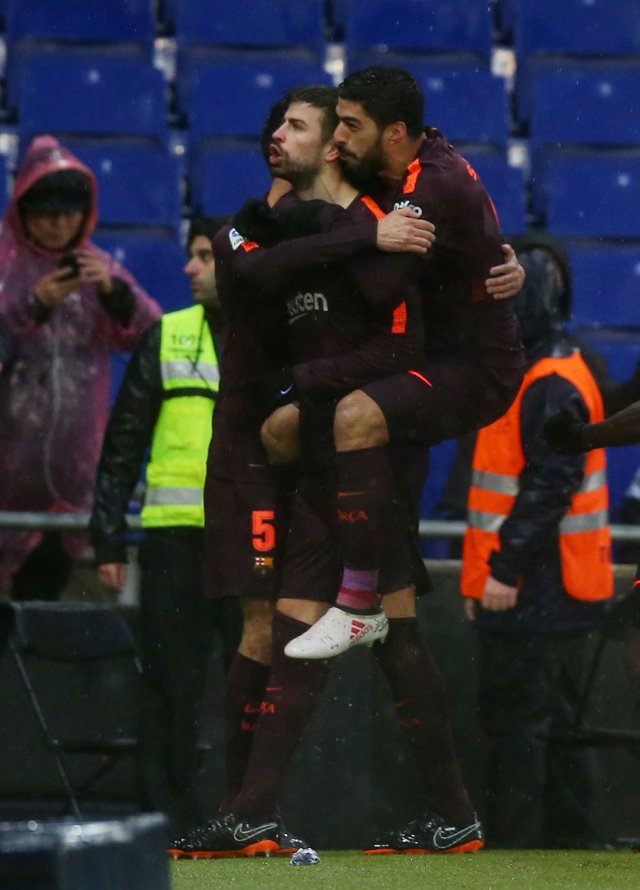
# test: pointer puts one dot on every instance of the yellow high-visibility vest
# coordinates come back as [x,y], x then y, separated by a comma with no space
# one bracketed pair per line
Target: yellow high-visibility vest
[190,379]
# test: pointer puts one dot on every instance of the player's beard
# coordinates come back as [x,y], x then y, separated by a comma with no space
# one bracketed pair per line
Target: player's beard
[301,175]
[360,172]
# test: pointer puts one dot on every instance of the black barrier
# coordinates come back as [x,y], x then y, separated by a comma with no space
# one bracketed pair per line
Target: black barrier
[127,854]
[353,777]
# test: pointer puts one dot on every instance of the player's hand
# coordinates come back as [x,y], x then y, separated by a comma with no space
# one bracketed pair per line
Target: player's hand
[113,574]
[498,597]
[54,288]
[95,270]
[506,280]
[402,232]
[565,432]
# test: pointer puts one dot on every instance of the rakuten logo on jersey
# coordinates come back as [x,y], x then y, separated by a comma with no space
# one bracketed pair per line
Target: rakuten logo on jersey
[400,205]
[303,304]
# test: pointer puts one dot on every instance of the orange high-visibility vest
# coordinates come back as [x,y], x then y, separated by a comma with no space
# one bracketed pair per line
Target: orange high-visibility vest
[498,461]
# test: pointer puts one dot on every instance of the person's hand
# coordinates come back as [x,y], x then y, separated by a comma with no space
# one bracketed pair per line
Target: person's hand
[507,279]
[113,574]
[498,597]
[94,270]
[470,606]
[401,231]
[55,287]
[564,431]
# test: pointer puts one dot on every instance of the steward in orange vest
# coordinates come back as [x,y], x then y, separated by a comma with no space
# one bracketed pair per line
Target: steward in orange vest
[498,463]
[536,572]
[538,520]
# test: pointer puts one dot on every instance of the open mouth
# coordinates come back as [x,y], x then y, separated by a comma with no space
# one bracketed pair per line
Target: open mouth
[275,155]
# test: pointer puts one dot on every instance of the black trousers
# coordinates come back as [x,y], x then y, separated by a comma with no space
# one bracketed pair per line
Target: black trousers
[538,790]
[177,629]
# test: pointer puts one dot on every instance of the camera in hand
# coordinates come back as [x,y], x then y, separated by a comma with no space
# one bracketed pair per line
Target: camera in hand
[69,261]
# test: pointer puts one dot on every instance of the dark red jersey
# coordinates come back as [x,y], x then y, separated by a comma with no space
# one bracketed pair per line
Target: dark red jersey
[363,313]
[441,186]
[256,333]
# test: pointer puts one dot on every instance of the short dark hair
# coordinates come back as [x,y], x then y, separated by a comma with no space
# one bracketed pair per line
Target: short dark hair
[324,98]
[208,226]
[387,94]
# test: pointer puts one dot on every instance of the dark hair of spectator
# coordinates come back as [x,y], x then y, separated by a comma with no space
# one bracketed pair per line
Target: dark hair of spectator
[208,226]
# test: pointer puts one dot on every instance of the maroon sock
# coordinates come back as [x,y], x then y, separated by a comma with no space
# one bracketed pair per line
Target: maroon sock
[243,694]
[291,696]
[420,698]
[365,502]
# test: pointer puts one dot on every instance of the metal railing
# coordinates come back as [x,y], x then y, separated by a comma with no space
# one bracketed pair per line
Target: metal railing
[429,528]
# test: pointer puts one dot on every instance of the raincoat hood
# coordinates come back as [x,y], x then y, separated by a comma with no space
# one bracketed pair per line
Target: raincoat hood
[46,155]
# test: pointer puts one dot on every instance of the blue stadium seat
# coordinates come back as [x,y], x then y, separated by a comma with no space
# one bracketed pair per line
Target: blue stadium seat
[505,184]
[156,261]
[467,104]
[92,95]
[606,283]
[137,185]
[120,21]
[596,103]
[590,193]
[231,94]
[577,27]
[419,25]
[274,23]
[550,34]
[224,175]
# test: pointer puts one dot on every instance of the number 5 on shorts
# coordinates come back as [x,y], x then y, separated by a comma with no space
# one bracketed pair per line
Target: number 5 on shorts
[263,530]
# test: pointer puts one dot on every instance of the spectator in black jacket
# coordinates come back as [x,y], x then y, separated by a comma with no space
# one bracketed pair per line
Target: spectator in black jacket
[536,570]
[166,402]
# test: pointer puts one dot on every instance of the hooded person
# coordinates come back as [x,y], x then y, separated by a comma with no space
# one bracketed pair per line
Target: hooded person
[536,571]
[66,304]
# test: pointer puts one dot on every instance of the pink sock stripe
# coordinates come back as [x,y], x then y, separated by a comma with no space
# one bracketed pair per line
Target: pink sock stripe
[357,599]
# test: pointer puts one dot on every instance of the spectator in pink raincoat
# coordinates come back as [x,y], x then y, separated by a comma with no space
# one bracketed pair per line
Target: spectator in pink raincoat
[66,304]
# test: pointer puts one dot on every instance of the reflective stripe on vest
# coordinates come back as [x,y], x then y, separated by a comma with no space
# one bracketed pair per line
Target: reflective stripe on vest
[585,542]
[177,467]
[176,372]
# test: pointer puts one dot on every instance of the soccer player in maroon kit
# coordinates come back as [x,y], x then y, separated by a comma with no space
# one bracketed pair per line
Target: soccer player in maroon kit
[246,499]
[282,721]
[473,361]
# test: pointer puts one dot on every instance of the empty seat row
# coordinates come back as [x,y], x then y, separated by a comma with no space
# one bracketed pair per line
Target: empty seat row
[606,283]
[229,94]
[582,192]
[421,25]
[225,94]
[577,192]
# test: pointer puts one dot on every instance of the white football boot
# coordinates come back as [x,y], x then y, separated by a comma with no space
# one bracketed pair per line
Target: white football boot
[337,632]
